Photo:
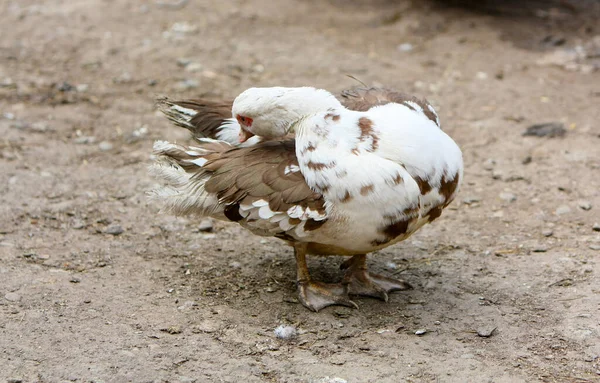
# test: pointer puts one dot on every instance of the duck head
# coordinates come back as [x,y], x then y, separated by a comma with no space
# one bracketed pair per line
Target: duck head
[273,112]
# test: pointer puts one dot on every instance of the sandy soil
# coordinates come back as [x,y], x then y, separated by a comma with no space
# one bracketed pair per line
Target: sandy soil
[95,285]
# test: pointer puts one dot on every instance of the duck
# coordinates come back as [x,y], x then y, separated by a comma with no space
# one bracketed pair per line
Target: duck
[340,176]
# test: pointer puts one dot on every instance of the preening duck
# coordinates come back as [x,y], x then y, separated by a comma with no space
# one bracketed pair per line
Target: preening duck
[328,176]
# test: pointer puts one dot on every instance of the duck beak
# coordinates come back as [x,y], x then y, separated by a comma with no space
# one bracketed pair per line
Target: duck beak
[244,135]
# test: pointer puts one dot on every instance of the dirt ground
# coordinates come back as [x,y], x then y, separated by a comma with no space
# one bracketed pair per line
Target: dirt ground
[96,286]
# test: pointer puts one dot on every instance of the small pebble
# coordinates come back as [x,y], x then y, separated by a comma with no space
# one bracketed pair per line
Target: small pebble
[173,330]
[421,331]
[12,297]
[43,257]
[481,75]
[205,226]
[78,224]
[549,129]
[497,174]
[405,47]
[187,84]
[584,205]
[85,140]
[596,227]
[285,332]
[74,280]
[539,249]
[87,301]
[508,197]
[105,146]
[563,209]
[327,379]
[547,232]
[194,67]
[489,164]
[486,332]
[595,247]
[470,200]
[114,230]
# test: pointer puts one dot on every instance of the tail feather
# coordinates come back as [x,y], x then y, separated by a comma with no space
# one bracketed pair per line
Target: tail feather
[204,119]
[180,170]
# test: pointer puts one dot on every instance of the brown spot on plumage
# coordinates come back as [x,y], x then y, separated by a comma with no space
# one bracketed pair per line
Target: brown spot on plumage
[392,231]
[347,197]
[332,116]
[367,189]
[366,130]
[424,186]
[395,229]
[398,179]
[434,213]
[319,165]
[309,148]
[448,187]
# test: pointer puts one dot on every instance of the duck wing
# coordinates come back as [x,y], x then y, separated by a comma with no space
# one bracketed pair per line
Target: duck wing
[260,187]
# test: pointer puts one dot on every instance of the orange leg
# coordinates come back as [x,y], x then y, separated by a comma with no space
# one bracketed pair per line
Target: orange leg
[361,282]
[317,295]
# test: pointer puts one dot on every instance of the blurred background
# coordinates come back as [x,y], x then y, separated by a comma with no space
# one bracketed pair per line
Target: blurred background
[95,285]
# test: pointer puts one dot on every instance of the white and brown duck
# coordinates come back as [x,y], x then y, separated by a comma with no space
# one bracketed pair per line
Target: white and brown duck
[329,177]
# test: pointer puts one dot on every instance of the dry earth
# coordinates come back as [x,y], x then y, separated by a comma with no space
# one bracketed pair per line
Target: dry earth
[162,300]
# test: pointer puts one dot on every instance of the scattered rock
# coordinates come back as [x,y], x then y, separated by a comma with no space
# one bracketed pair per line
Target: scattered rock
[527,160]
[548,129]
[405,47]
[547,232]
[105,146]
[481,76]
[173,330]
[584,205]
[285,332]
[187,84]
[85,140]
[486,332]
[595,247]
[183,27]
[78,224]
[123,78]
[114,230]
[563,209]
[74,280]
[12,297]
[471,200]
[183,61]
[205,226]
[539,249]
[596,227]
[489,164]
[497,174]
[508,197]
[327,379]
[420,331]
[194,67]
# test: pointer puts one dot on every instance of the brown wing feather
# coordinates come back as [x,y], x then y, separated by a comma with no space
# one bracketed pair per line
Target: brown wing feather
[258,172]
[363,99]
